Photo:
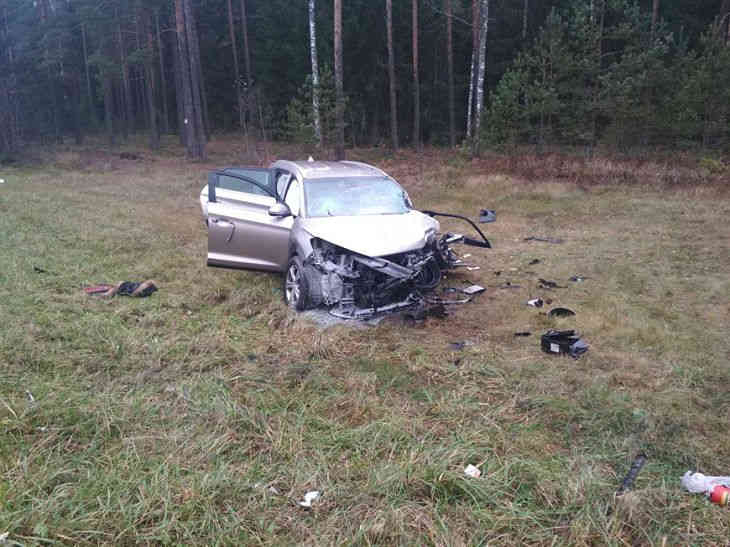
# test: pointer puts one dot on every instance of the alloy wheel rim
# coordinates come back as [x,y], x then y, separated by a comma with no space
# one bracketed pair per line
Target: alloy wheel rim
[292,285]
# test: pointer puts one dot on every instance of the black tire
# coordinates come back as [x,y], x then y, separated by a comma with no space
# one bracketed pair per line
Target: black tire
[296,285]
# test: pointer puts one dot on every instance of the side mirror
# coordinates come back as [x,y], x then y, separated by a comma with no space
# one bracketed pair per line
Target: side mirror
[279,210]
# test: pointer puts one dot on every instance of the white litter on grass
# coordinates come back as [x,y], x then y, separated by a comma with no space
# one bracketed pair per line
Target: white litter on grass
[472,471]
[309,497]
[698,483]
[2,181]
[4,536]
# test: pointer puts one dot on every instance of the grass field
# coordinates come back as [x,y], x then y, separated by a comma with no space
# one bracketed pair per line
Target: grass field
[203,414]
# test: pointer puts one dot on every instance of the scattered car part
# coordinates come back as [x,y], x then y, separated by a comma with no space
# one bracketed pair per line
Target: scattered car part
[556,240]
[468,241]
[473,289]
[578,278]
[534,261]
[547,284]
[563,342]
[487,215]
[561,312]
[535,302]
[630,477]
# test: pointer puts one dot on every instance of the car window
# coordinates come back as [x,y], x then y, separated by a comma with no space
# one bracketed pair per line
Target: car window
[264,177]
[353,196]
[281,182]
[237,185]
[293,197]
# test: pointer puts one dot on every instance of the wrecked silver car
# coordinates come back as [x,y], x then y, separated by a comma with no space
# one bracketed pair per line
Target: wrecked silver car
[345,234]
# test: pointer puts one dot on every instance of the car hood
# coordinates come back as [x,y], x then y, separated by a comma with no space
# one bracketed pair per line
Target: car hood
[373,235]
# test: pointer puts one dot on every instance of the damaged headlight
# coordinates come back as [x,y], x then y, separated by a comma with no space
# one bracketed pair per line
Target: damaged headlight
[430,236]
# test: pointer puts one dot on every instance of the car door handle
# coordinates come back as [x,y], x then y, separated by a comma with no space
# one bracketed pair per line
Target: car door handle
[221,222]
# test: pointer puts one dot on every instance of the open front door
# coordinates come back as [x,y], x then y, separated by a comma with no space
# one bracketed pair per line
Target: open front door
[241,233]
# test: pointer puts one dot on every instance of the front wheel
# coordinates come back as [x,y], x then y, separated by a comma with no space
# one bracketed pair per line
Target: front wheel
[296,286]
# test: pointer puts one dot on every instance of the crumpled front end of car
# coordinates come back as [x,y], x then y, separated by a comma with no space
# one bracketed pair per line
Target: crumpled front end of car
[355,286]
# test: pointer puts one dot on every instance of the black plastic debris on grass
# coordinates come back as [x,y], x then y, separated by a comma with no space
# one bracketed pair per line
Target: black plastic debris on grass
[37,269]
[564,342]
[536,302]
[628,482]
[547,284]
[555,240]
[523,333]
[561,312]
[534,261]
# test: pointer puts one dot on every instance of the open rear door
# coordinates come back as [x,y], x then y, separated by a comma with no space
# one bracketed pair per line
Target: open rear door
[241,233]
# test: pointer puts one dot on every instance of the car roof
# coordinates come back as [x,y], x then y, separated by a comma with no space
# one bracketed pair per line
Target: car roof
[328,169]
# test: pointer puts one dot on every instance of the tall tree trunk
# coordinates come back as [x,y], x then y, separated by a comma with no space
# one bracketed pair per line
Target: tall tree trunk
[151,85]
[416,83]
[450,62]
[525,9]
[163,78]
[248,89]
[196,77]
[473,71]
[654,19]
[340,98]
[126,89]
[236,71]
[315,74]
[179,95]
[484,18]
[12,118]
[246,50]
[193,119]
[109,109]
[200,101]
[89,94]
[391,76]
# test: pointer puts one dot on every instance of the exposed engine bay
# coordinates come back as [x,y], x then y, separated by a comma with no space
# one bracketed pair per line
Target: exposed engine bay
[354,286]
